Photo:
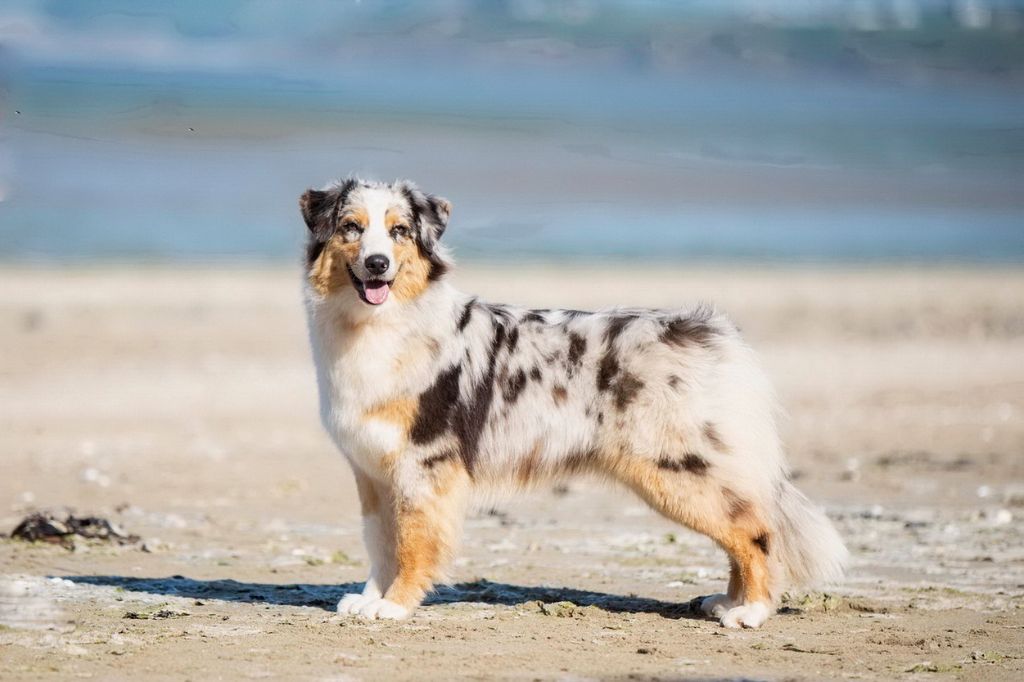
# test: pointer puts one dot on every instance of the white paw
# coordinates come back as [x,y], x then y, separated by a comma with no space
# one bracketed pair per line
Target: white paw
[716,605]
[383,608]
[747,616]
[352,603]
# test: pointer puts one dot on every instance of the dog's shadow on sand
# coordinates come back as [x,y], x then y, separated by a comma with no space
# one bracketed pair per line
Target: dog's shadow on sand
[326,596]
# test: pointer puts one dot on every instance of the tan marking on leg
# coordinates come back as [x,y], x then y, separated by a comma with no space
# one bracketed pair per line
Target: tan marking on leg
[753,578]
[735,591]
[718,512]
[369,499]
[426,532]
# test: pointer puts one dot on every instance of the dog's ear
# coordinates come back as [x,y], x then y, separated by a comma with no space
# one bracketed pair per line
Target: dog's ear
[431,214]
[320,207]
[442,211]
[313,204]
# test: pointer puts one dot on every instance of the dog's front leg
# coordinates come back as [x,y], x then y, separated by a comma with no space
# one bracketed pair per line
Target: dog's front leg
[379,537]
[427,507]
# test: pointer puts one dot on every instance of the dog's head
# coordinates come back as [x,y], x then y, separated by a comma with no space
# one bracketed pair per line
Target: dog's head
[379,241]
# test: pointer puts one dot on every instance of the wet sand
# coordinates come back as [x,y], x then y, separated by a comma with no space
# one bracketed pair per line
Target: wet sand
[181,404]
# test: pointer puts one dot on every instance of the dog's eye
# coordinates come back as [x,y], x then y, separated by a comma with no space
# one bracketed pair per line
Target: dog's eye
[352,227]
[399,231]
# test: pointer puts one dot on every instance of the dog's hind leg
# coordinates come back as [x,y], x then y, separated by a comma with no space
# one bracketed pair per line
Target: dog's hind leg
[688,494]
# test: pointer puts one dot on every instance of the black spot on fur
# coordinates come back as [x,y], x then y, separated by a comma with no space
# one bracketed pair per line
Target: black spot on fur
[502,313]
[535,373]
[435,406]
[693,329]
[514,386]
[438,269]
[434,460]
[577,347]
[467,314]
[615,327]
[762,541]
[695,464]
[609,366]
[513,340]
[600,417]
[533,316]
[470,418]
[313,250]
[607,370]
[673,381]
[577,462]
[626,389]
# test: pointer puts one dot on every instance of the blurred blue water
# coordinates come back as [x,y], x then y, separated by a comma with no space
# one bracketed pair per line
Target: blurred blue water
[653,131]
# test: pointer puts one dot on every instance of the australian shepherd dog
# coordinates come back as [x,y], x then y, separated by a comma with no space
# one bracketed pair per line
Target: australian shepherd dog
[430,392]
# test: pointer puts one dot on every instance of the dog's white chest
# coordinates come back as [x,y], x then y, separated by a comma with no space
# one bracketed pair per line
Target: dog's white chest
[356,377]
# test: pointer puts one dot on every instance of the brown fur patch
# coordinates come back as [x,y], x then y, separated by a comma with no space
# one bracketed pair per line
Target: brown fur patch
[529,466]
[401,411]
[626,389]
[580,461]
[329,272]
[369,498]
[736,505]
[560,394]
[354,214]
[394,216]
[413,271]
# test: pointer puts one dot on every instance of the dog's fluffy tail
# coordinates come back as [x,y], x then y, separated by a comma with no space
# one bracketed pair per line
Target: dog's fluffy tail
[805,542]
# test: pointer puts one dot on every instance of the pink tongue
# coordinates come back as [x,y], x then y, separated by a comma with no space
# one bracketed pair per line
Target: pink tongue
[376,292]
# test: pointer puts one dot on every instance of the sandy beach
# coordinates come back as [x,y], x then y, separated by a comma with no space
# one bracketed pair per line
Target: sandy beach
[180,403]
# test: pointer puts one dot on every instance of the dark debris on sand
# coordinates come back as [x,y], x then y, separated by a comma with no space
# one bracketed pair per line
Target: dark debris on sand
[62,528]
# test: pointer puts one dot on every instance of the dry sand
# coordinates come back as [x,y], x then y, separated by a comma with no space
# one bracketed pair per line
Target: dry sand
[181,404]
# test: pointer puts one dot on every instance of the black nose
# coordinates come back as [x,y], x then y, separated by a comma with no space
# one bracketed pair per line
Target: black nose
[377,264]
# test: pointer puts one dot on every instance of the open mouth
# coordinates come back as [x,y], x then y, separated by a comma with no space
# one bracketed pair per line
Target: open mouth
[372,291]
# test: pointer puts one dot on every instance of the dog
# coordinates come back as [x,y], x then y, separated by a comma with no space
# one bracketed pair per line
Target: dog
[430,393]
